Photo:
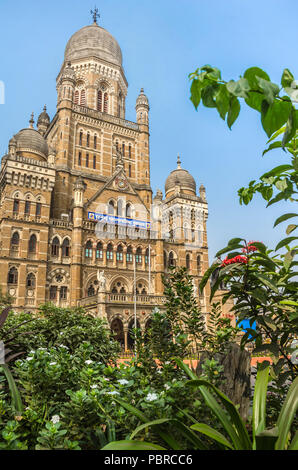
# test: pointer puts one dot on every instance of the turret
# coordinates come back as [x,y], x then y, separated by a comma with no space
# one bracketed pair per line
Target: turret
[43,121]
[142,108]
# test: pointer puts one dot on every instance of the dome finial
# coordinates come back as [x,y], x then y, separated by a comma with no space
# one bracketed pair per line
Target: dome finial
[95,14]
[31,122]
[178,162]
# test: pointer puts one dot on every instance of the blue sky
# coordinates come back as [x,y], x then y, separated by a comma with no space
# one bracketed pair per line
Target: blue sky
[162,42]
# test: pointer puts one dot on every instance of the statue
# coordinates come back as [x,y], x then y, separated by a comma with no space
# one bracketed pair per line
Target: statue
[102,280]
[195,289]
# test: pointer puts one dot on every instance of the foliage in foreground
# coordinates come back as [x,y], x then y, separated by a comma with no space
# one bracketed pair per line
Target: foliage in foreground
[236,436]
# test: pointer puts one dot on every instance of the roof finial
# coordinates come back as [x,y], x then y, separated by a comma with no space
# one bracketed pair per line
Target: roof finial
[95,14]
[178,162]
[31,122]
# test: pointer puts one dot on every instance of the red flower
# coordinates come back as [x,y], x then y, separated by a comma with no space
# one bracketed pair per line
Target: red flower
[236,259]
[250,247]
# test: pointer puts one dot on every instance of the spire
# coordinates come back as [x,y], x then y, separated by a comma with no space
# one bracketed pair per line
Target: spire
[178,163]
[31,122]
[95,14]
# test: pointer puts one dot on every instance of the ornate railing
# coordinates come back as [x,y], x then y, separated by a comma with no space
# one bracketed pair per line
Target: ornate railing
[106,117]
[142,299]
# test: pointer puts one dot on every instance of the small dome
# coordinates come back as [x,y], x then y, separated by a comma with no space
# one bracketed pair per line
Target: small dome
[44,118]
[93,41]
[142,99]
[182,178]
[31,140]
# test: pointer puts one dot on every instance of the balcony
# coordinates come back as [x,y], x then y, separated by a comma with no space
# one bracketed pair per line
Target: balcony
[106,117]
[124,299]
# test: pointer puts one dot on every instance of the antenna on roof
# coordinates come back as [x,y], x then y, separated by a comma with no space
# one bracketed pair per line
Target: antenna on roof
[95,14]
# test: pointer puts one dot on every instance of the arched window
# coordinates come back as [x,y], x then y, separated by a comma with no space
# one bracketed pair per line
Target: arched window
[94,162]
[63,293]
[118,331]
[27,207]
[91,291]
[172,261]
[32,244]
[55,247]
[117,145]
[147,256]
[38,209]
[87,160]
[88,249]
[76,97]
[99,251]
[198,263]
[129,150]
[95,141]
[111,208]
[53,292]
[110,252]
[31,281]
[105,103]
[119,207]
[164,259]
[16,206]
[139,255]
[129,254]
[119,254]
[83,98]
[80,159]
[123,149]
[187,261]
[129,171]
[66,248]
[81,138]
[88,139]
[12,276]
[99,100]
[15,241]
[128,210]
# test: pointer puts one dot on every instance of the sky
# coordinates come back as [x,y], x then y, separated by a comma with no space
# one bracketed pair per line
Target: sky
[162,42]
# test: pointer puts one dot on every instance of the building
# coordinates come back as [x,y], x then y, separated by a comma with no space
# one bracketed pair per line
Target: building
[78,222]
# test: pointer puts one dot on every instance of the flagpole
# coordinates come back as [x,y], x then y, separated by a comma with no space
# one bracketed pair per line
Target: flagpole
[149,270]
[135,298]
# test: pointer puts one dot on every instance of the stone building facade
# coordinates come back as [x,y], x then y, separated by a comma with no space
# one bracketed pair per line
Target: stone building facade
[79,225]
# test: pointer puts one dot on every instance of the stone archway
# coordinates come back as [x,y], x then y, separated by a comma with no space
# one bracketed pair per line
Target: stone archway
[118,330]
[130,336]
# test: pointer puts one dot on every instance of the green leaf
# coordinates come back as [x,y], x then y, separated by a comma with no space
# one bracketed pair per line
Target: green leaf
[16,400]
[284,217]
[239,88]
[285,242]
[291,228]
[290,127]
[294,443]
[267,282]
[139,414]
[222,99]
[266,439]
[237,432]
[255,97]
[210,432]
[195,93]
[175,424]
[207,275]
[273,146]
[275,115]
[234,110]
[208,96]
[270,90]
[132,445]
[287,78]
[259,402]
[287,415]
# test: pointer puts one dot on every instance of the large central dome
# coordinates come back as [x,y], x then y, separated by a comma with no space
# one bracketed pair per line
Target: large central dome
[93,41]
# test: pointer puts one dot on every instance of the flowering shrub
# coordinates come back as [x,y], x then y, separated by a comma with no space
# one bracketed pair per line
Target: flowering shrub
[236,259]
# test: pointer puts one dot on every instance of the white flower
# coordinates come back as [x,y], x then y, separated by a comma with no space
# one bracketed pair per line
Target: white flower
[55,419]
[88,362]
[32,352]
[104,378]
[113,393]
[151,397]
[42,349]
[167,362]
[174,380]
[93,386]
[159,371]
[29,358]
[63,346]
[167,387]
[123,381]
[53,363]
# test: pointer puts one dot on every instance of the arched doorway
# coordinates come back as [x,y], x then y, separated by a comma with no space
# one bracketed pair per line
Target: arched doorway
[117,329]
[130,334]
